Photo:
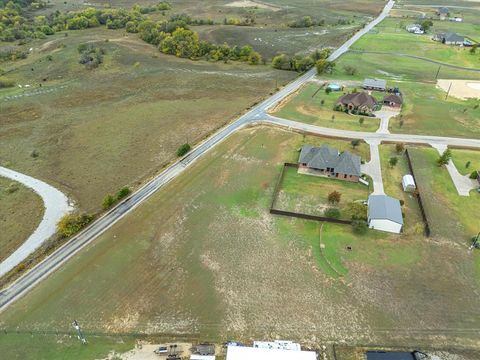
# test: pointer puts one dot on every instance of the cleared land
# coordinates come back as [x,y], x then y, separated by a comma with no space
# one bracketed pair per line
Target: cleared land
[312,107]
[461,89]
[308,194]
[96,131]
[204,258]
[21,211]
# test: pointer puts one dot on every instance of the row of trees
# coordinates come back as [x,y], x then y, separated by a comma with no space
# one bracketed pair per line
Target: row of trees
[300,63]
[306,22]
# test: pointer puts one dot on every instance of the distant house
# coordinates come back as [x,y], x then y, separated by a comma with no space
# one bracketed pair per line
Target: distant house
[443,13]
[449,38]
[456,19]
[385,214]
[393,100]
[408,183]
[375,84]
[360,101]
[415,29]
[329,162]
[203,350]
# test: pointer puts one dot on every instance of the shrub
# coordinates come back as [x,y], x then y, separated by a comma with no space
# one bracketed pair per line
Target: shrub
[333,213]
[350,70]
[399,147]
[444,158]
[71,224]
[34,154]
[474,175]
[334,197]
[393,161]
[108,201]
[182,150]
[123,192]
[467,165]
[357,211]
[359,227]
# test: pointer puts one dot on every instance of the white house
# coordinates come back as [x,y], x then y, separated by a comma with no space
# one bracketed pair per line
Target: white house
[260,353]
[415,29]
[385,214]
[408,183]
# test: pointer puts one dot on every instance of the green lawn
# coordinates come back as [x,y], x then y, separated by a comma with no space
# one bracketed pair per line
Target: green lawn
[392,183]
[21,210]
[309,194]
[450,216]
[461,157]
[307,107]
[390,36]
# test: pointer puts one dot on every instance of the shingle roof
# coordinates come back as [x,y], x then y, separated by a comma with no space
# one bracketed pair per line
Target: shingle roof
[358,99]
[384,207]
[396,99]
[443,10]
[375,83]
[327,157]
[453,37]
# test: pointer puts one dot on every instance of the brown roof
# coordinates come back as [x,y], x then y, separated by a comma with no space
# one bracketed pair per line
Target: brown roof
[396,99]
[359,99]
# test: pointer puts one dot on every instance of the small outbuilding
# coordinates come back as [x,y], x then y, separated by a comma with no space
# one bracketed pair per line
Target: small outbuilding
[443,13]
[408,183]
[393,100]
[335,87]
[385,214]
[375,84]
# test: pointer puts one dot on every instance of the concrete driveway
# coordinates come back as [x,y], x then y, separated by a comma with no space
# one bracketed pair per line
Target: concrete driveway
[384,115]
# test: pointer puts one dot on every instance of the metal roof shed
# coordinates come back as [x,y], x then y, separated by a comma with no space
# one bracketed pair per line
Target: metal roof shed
[385,214]
[408,183]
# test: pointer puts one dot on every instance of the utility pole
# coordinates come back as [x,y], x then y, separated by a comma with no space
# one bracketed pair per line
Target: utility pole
[76,326]
[438,72]
[448,92]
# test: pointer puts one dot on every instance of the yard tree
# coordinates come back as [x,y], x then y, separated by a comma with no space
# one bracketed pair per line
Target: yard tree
[361,121]
[350,70]
[324,66]
[426,25]
[255,58]
[355,143]
[72,223]
[467,165]
[357,211]
[399,148]
[393,161]
[332,212]
[334,197]
[473,49]
[182,150]
[444,158]
[359,227]
[333,118]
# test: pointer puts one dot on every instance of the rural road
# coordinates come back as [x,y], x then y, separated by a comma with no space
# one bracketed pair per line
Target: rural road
[257,114]
[56,206]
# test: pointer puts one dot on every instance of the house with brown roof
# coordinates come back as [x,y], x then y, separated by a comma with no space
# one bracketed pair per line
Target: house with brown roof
[329,162]
[393,100]
[360,101]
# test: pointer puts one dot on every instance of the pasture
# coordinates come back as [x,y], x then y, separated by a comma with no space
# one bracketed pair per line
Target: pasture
[312,105]
[98,130]
[203,259]
[21,210]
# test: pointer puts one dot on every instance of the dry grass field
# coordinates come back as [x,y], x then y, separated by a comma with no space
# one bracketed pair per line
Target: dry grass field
[98,130]
[21,211]
[204,259]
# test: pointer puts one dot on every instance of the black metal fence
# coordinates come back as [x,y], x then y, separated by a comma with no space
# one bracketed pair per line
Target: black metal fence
[275,211]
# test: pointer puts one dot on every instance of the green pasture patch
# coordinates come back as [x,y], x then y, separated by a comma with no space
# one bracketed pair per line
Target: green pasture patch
[461,157]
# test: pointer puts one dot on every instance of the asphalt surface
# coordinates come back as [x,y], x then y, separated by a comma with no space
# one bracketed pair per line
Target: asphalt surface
[257,114]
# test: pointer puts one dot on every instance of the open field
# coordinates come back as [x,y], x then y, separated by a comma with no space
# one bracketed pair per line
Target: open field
[390,36]
[452,218]
[309,194]
[392,183]
[306,106]
[21,211]
[98,130]
[461,157]
[204,258]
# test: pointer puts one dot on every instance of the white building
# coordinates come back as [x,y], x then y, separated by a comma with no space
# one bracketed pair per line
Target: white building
[415,29]
[202,357]
[385,214]
[261,353]
[408,183]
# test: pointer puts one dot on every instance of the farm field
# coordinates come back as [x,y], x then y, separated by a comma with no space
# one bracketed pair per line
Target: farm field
[205,258]
[390,36]
[392,183]
[306,106]
[461,157]
[21,210]
[309,194]
[98,130]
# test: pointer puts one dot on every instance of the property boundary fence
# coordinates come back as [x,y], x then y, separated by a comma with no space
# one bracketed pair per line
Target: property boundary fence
[275,211]
[418,196]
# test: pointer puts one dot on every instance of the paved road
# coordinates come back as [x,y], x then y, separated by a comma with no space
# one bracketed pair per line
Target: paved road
[56,205]
[257,114]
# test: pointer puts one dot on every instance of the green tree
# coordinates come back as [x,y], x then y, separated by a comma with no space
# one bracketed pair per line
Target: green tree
[359,227]
[393,161]
[361,121]
[467,164]
[182,150]
[281,62]
[108,201]
[399,148]
[324,66]
[123,192]
[333,213]
[355,143]
[444,158]
[474,175]
[70,224]
[426,25]
[255,58]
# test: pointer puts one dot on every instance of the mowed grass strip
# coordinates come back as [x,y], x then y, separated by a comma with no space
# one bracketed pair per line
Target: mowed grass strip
[21,210]
[466,161]
[306,106]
